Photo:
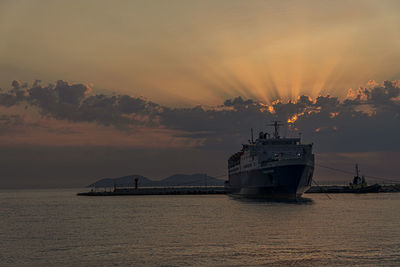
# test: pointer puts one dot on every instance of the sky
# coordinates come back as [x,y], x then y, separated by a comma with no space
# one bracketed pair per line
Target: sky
[93,89]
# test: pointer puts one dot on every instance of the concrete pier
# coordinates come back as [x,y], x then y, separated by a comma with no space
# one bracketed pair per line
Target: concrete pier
[158,191]
[209,190]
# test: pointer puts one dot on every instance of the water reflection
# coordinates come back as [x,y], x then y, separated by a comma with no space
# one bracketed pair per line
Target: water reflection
[297,201]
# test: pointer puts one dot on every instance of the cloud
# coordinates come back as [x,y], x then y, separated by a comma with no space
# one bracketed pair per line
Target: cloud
[10,123]
[72,94]
[368,119]
[73,102]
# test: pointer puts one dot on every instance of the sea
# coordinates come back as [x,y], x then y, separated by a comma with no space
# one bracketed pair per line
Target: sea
[58,228]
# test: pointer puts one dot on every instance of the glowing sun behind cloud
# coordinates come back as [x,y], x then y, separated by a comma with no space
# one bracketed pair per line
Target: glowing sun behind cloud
[186,53]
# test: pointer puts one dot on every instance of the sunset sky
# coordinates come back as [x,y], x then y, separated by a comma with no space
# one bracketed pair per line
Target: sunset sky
[163,87]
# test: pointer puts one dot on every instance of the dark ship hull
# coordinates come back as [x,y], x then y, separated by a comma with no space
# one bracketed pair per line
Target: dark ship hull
[281,180]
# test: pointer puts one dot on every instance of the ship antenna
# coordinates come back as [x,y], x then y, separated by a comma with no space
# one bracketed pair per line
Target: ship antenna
[252,138]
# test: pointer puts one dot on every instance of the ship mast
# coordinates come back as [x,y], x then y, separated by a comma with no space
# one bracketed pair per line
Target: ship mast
[276,125]
[357,170]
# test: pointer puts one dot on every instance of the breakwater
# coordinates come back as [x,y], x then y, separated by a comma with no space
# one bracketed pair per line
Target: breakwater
[203,190]
[341,189]
[158,191]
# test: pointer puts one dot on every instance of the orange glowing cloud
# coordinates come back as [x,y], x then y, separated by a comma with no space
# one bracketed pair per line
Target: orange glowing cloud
[294,118]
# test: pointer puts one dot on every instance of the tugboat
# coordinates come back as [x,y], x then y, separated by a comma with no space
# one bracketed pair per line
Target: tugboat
[271,167]
[359,184]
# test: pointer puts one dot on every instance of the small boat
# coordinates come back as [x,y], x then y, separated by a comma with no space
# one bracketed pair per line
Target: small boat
[359,185]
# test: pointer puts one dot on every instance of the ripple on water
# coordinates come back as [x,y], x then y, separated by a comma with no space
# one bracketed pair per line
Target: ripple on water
[55,227]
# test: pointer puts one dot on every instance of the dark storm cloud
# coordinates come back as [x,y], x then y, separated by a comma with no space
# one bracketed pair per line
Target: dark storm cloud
[72,94]
[368,119]
[72,102]
[8,100]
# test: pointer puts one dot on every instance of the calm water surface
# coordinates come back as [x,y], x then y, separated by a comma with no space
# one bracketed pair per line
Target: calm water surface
[55,227]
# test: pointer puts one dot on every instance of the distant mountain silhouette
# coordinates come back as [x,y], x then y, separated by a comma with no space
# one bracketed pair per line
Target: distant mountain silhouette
[123,181]
[173,180]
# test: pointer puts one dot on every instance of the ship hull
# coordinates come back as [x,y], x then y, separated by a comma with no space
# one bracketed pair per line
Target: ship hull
[282,181]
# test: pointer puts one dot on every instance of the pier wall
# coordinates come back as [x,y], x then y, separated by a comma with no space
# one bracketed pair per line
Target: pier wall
[331,189]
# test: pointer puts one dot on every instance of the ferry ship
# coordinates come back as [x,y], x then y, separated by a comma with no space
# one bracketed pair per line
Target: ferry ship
[271,167]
